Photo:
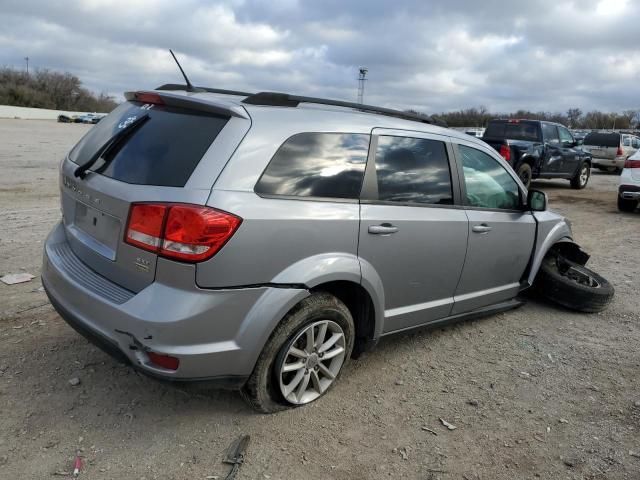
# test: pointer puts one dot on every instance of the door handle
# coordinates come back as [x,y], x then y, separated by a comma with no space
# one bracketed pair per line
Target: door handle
[384,229]
[483,228]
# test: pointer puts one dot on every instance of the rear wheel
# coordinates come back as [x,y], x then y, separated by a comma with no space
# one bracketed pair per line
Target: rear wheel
[304,357]
[524,173]
[572,285]
[582,177]
[625,205]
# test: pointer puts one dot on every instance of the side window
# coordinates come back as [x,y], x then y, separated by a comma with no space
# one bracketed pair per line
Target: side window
[550,133]
[413,170]
[565,135]
[636,142]
[329,165]
[627,141]
[487,183]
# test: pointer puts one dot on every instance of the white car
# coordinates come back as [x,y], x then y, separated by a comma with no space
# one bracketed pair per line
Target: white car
[629,189]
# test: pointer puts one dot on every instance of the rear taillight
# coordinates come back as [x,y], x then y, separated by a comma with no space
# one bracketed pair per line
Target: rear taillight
[632,164]
[619,152]
[191,233]
[505,151]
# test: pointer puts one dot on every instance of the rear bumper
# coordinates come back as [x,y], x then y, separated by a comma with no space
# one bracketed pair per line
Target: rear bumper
[216,334]
[617,162]
[629,192]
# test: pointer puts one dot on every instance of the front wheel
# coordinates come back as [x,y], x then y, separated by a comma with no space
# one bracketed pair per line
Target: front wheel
[582,177]
[304,357]
[572,285]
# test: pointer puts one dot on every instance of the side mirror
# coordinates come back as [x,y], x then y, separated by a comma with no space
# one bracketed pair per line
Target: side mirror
[537,201]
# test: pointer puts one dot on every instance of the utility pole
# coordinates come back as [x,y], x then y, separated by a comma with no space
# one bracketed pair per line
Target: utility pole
[27,60]
[361,80]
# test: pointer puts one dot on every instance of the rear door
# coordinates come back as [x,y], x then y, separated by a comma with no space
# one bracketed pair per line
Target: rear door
[501,234]
[155,162]
[411,230]
[552,162]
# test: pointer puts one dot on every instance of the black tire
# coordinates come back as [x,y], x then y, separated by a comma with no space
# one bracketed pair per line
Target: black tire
[524,174]
[578,182]
[555,282]
[625,205]
[262,391]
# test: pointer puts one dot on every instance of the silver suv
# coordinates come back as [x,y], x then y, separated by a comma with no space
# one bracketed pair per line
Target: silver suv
[260,241]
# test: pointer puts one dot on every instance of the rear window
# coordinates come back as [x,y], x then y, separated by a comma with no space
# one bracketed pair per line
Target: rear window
[163,151]
[602,139]
[513,131]
[329,165]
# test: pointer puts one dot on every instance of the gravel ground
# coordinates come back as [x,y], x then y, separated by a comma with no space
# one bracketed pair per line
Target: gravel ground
[539,392]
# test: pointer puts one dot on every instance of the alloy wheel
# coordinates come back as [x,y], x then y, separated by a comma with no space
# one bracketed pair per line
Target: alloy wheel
[312,362]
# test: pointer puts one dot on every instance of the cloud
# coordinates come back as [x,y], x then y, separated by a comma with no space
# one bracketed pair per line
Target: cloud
[432,56]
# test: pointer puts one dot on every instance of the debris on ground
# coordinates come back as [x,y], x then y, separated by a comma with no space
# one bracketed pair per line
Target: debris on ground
[77,464]
[74,382]
[473,402]
[13,278]
[427,429]
[235,455]
[563,420]
[447,424]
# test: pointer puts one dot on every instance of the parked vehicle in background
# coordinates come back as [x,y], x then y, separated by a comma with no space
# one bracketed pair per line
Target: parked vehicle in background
[65,119]
[475,132]
[579,135]
[629,189]
[539,149]
[610,150]
[259,240]
[90,118]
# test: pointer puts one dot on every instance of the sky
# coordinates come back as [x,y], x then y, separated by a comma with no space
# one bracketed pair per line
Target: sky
[429,55]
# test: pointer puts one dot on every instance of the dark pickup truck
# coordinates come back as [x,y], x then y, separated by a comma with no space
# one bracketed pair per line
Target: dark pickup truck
[537,149]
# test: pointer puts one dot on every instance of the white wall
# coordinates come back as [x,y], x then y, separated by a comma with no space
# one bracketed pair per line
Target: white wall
[33,113]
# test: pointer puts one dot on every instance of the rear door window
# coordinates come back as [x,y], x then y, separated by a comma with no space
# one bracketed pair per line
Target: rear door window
[413,170]
[163,151]
[325,165]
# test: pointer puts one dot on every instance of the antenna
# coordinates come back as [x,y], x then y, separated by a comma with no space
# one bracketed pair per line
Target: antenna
[361,80]
[186,79]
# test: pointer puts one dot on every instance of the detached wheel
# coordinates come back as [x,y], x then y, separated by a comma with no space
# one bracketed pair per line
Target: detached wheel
[304,356]
[582,177]
[625,205]
[524,173]
[572,285]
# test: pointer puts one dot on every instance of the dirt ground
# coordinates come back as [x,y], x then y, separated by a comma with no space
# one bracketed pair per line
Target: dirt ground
[539,392]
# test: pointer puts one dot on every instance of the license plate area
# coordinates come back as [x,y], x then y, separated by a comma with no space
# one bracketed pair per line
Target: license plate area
[98,230]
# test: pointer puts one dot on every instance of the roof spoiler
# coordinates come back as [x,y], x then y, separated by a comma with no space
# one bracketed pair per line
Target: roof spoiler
[202,104]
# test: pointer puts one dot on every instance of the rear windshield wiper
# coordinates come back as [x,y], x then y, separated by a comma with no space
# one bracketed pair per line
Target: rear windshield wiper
[110,144]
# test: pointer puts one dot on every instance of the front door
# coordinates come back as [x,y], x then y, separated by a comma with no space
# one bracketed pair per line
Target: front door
[410,231]
[501,233]
[570,157]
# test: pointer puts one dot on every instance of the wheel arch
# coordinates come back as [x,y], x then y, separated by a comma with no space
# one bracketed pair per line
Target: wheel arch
[551,230]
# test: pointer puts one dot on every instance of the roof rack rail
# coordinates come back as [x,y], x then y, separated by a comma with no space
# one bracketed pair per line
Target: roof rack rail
[177,86]
[286,100]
